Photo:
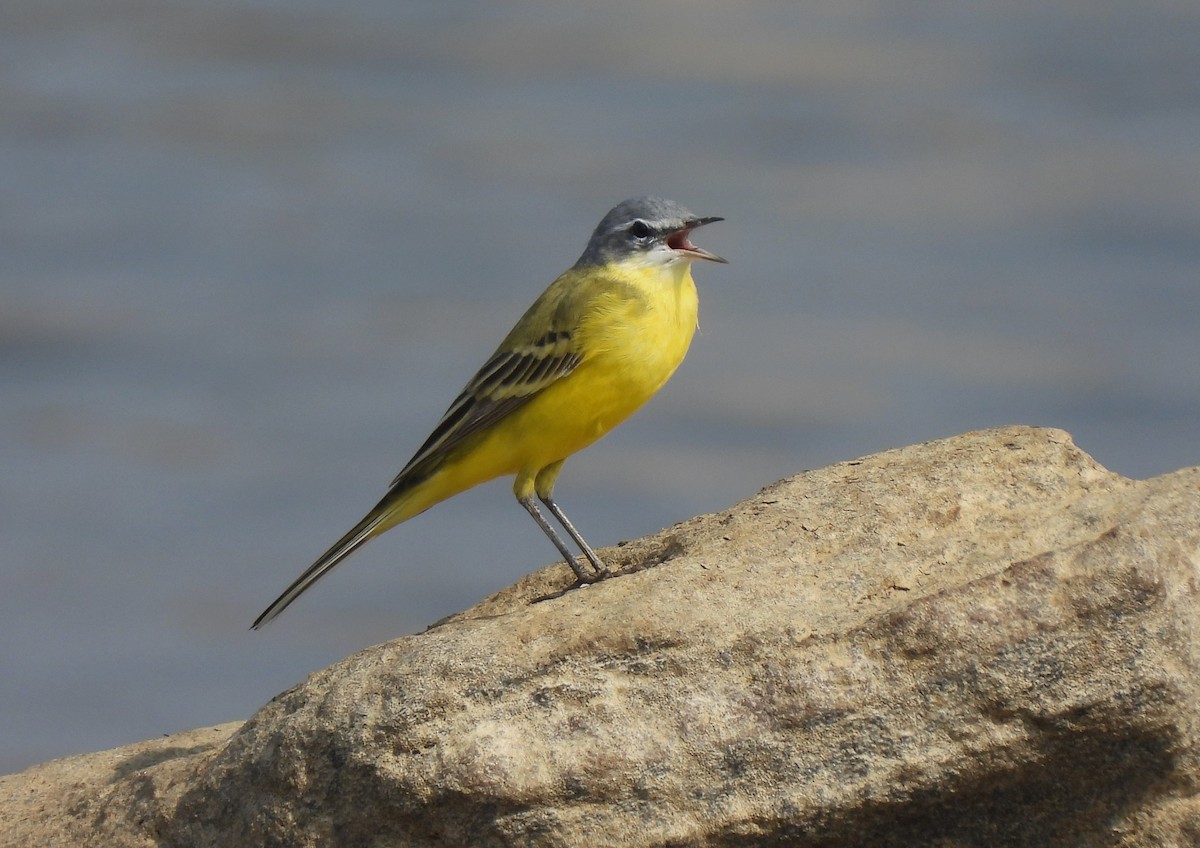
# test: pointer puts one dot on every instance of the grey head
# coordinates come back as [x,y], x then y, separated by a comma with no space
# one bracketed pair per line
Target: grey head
[647,230]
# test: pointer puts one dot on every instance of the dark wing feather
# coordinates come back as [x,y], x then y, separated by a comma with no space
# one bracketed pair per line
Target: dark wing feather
[505,383]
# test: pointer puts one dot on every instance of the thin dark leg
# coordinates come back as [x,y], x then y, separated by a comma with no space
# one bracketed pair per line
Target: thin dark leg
[556,510]
[532,509]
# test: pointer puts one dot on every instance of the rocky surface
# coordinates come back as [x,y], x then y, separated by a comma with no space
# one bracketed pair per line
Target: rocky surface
[984,640]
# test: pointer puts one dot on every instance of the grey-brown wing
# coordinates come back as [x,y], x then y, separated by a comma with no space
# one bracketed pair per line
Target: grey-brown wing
[506,382]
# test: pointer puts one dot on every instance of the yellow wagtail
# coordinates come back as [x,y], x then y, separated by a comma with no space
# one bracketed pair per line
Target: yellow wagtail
[597,344]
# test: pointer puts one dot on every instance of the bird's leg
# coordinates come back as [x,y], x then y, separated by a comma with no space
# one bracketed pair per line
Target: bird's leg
[597,563]
[532,509]
[543,484]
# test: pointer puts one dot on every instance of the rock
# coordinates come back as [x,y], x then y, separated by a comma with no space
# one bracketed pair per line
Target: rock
[984,640]
[102,799]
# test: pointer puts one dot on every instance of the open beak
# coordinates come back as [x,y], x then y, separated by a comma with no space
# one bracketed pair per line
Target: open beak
[680,241]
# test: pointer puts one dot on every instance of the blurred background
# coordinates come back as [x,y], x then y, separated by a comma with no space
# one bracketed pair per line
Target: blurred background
[251,249]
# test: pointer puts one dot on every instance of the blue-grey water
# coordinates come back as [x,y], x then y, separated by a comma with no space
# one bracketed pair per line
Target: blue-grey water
[251,249]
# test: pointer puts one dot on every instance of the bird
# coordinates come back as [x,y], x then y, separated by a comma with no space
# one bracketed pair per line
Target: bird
[598,343]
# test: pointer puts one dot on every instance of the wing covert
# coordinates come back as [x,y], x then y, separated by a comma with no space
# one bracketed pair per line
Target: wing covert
[509,379]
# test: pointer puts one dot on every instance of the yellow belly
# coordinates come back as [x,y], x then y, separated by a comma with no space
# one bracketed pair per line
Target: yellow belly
[631,348]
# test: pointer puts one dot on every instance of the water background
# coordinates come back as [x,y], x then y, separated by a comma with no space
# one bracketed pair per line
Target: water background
[251,249]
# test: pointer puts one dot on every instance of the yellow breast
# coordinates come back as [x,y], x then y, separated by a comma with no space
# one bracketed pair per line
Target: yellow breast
[632,336]
[638,332]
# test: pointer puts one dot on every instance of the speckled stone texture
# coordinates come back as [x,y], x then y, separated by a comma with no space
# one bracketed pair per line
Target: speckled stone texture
[986,640]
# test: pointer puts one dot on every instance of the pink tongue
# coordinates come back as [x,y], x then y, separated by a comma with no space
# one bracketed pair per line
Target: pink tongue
[679,241]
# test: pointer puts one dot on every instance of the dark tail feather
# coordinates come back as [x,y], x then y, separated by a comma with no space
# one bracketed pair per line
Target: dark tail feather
[362,533]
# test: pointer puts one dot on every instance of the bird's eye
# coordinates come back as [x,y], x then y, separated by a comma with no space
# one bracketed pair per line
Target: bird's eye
[639,229]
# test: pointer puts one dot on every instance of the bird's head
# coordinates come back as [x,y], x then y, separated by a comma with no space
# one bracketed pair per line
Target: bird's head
[646,231]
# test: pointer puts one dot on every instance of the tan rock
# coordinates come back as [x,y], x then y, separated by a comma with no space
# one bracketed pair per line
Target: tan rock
[985,640]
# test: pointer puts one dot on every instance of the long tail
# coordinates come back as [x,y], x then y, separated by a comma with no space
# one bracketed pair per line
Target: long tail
[376,521]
